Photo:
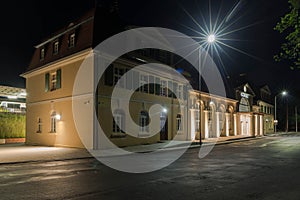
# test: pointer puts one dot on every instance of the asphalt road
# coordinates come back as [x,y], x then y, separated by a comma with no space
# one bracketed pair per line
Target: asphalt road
[267,168]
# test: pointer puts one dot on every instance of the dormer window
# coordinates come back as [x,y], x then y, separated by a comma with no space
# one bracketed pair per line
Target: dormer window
[55,47]
[71,40]
[42,53]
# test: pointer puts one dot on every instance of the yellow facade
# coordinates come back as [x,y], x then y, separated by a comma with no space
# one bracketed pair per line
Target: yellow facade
[41,105]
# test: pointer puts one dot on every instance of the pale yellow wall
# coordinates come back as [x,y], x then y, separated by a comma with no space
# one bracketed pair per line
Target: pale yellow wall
[36,84]
[139,102]
[41,104]
[66,134]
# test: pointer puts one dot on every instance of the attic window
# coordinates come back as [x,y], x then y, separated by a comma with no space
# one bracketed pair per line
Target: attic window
[42,53]
[55,47]
[72,40]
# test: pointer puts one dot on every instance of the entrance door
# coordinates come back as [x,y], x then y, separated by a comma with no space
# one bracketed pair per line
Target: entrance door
[245,127]
[163,126]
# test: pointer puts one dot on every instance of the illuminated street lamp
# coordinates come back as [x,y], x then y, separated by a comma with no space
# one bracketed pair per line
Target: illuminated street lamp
[283,93]
[211,38]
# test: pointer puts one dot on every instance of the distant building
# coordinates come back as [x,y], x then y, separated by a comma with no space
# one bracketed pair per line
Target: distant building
[255,111]
[12,99]
[51,75]
[265,105]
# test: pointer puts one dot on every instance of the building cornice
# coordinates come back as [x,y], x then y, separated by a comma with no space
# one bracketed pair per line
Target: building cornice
[58,63]
[205,94]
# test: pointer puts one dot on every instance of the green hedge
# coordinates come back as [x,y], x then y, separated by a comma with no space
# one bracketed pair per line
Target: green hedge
[12,125]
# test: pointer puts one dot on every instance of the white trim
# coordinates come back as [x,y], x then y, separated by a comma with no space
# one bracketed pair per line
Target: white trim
[68,98]
[58,63]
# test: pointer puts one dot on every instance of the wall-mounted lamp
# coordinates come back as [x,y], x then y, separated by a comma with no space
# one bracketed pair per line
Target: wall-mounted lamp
[58,117]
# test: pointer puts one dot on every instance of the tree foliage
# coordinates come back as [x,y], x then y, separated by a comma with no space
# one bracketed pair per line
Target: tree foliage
[289,25]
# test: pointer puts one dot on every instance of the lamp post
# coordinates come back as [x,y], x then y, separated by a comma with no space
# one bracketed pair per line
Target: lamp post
[296,118]
[199,107]
[210,39]
[287,118]
[283,93]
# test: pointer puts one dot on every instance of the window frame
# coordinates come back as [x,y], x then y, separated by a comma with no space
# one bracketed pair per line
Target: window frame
[71,40]
[144,83]
[179,127]
[55,47]
[53,123]
[42,53]
[144,123]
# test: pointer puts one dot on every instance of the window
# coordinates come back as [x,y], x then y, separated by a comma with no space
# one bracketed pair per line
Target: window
[53,80]
[118,123]
[118,73]
[163,88]
[144,121]
[55,47]
[144,83]
[42,53]
[210,115]
[39,130]
[53,123]
[180,92]
[178,123]
[72,40]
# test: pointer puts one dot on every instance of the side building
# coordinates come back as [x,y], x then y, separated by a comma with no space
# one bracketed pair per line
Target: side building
[12,99]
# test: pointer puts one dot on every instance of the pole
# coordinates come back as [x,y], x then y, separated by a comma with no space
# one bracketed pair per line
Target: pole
[275,114]
[199,112]
[287,117]
[296,116]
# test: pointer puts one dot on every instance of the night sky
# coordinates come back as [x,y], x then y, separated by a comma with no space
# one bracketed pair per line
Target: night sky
[26,23]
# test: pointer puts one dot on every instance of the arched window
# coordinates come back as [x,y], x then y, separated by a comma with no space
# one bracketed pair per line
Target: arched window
[197,116]
[53,123]
[144,121]
[179,122]
[118,121]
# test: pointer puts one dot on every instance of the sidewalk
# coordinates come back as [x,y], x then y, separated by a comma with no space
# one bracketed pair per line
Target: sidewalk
[20,153]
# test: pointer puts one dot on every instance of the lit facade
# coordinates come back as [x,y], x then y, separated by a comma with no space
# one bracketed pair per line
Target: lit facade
[50,81]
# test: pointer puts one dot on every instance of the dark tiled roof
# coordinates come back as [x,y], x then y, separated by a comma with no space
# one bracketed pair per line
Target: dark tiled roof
[90,29]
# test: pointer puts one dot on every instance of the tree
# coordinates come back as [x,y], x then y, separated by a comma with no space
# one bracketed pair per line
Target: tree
[289,25]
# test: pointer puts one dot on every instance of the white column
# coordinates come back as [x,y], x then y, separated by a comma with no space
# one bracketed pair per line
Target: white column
[227,125]
[256,125]
[192,125]
[234,125]
[261,127]
[184,122]
[217,124]
[206,129]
